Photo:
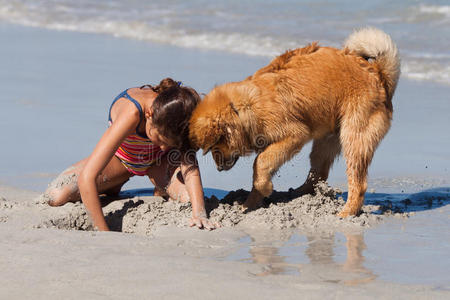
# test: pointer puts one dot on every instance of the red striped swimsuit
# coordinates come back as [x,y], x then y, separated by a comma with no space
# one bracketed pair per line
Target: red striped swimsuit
[137,152]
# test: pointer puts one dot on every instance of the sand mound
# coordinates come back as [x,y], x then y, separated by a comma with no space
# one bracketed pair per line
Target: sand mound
[143,214]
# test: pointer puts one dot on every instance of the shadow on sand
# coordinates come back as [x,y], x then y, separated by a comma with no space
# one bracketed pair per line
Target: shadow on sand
[387,202]
[394,202]
[115,219]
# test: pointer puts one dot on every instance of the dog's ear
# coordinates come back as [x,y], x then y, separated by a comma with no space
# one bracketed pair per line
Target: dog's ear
[213,121]
[205,132]
[234,109]
[225,132]
[219,131]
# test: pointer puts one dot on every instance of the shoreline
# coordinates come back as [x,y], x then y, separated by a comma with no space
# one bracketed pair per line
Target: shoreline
[100,65]
[61,84]
[397,257]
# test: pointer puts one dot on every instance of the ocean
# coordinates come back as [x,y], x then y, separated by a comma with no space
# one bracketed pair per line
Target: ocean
[421,29]
[64,61]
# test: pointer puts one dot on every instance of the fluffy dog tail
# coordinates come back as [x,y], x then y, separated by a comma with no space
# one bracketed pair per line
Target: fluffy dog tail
[372,43]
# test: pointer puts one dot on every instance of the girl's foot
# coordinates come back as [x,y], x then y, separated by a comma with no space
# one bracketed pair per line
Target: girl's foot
[60,197]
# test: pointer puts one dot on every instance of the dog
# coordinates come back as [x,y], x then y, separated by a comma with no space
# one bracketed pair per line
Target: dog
[339,98]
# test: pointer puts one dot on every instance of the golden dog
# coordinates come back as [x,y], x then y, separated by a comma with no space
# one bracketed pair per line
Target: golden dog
[339,98]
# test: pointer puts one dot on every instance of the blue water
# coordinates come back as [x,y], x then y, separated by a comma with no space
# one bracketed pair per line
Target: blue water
[58,81]
[56,87]
[259,28]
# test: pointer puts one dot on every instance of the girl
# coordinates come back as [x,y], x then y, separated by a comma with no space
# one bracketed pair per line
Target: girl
[144,124]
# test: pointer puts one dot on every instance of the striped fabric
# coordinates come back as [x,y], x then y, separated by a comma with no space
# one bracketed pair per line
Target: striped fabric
[137,154]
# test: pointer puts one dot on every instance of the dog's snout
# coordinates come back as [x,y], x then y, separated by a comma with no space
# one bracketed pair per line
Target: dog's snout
[219,168]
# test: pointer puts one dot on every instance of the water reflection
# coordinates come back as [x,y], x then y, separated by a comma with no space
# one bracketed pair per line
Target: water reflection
[268,257]
[313,257]
[355,259]
[320,249]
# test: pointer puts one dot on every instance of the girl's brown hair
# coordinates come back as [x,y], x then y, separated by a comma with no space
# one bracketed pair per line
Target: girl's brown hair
[172,110]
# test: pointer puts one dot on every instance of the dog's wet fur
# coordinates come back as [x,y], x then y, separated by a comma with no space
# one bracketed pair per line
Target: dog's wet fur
[339,98]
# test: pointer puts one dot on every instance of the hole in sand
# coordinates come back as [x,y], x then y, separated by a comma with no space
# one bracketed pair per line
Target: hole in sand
[142,213]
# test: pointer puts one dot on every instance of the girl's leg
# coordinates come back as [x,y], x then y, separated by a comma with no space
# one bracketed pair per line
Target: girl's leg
[168,181]
[65,187]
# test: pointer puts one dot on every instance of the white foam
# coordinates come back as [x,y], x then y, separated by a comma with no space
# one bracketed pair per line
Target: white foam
[428,14]
[435,9]
[426,71]
[98,19]
[229,42]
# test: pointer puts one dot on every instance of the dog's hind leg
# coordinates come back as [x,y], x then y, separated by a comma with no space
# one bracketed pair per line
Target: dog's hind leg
[359,140]
[323,154]
[267,163]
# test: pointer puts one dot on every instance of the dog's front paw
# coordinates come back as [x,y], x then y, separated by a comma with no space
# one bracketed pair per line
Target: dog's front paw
[348,211]
[344,214]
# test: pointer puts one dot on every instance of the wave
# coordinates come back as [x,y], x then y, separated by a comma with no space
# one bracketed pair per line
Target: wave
[416,14]
[435,9]
[240,43]
[439,14]
[425,71]
[419,66]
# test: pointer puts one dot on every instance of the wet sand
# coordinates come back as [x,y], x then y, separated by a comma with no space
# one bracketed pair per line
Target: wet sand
[50,252]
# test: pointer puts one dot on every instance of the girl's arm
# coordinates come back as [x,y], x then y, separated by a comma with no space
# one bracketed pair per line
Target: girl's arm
[123,126]
[193,182]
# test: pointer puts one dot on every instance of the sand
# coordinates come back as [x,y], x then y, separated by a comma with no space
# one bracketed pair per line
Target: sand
[52,252]
[283,210]
[290,249]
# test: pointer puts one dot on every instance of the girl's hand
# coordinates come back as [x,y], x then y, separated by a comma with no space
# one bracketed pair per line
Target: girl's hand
[202,222]
[191,175]
[102,155]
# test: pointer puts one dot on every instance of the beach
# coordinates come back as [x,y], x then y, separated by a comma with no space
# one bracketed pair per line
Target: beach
[44,257]
[57,88]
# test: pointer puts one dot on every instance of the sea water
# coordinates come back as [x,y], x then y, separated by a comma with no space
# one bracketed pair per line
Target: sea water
[257,28]
[64,61]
